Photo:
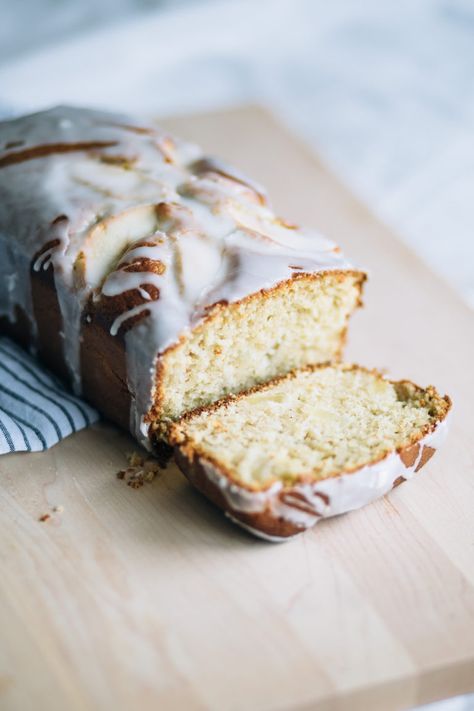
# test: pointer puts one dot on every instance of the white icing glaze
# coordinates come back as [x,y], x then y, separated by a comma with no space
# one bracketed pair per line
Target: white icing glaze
[128,188]
[321,499]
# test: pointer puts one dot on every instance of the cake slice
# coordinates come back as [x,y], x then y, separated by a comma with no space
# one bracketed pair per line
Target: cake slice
[318,442]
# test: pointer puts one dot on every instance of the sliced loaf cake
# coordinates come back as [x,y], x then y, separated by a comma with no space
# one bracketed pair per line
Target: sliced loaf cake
[154,278]
[319,442]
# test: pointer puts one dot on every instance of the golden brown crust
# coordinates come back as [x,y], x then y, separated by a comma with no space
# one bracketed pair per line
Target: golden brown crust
[47,313]
[48,343]
[48,149]
[425,456]
[104,373]
[410,454]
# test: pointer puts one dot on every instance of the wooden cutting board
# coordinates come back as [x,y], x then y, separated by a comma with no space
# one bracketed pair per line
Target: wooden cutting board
[150,599]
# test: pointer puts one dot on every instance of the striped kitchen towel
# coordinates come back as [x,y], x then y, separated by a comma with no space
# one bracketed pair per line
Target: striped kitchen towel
[35,410]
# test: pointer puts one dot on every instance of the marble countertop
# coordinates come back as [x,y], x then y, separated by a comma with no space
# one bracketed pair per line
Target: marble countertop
[384,91]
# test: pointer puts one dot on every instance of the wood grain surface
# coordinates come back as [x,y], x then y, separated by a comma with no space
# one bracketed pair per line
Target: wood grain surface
[150,599]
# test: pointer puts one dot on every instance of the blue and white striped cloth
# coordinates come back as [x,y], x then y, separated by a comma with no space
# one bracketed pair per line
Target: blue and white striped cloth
[36,411]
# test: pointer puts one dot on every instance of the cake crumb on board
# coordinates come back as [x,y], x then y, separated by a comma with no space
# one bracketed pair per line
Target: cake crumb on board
[58,509]
[141,470]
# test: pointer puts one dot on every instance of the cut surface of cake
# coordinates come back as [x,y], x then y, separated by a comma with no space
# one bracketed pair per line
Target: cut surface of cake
[319,442]
[154,278]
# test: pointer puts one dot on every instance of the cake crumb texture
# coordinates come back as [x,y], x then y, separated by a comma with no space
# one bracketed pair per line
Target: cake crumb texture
[312,425]
[301,322]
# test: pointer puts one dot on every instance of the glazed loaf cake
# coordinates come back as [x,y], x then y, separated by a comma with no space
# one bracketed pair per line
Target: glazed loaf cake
[152,277]
[318,442]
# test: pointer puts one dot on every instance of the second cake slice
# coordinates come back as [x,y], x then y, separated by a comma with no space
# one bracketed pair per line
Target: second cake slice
[316,443]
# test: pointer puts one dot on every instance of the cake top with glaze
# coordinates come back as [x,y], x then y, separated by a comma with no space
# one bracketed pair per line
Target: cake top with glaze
[79,168]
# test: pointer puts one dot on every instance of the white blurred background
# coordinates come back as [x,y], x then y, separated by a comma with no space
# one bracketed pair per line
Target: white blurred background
[383,90]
